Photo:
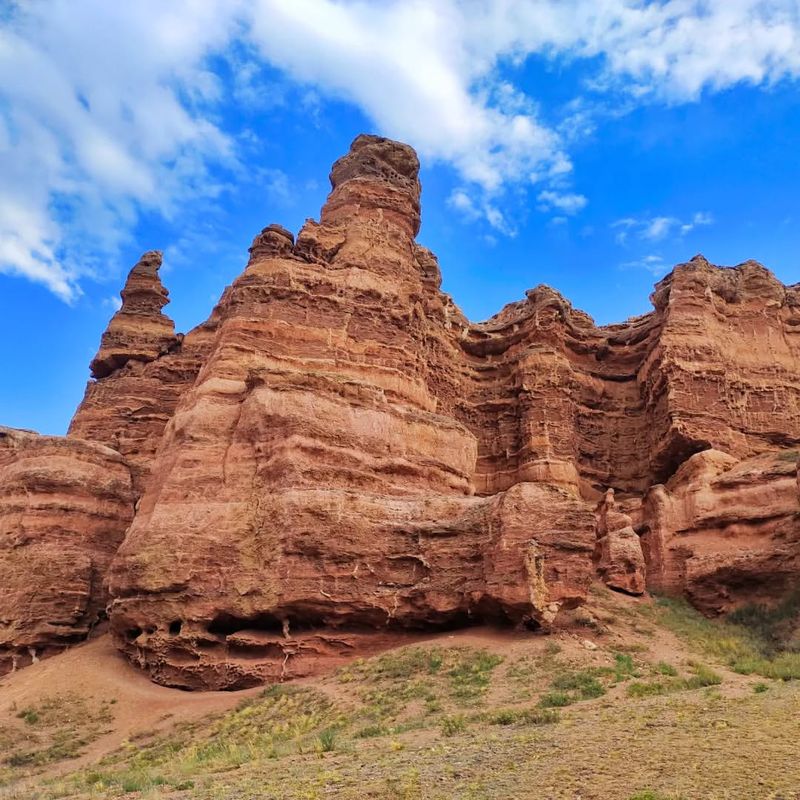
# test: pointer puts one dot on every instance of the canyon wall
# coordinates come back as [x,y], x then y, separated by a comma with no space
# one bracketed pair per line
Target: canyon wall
[338,458]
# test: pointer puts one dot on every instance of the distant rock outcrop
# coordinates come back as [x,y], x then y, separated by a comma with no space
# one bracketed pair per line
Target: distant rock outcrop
[339,457]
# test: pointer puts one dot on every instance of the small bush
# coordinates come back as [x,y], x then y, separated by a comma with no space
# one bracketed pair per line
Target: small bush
[703,676]
[584,683]
[555,700]
[759,688]
[30,715]
[624,667]
[327,740]
[453,725]
[539,716]
[646,689]
[504,717]
[663,668]
[370,731]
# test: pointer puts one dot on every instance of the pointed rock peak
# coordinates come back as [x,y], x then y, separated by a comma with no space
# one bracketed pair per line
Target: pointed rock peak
[700,260]
[377,174]
[139,330]
[143,291]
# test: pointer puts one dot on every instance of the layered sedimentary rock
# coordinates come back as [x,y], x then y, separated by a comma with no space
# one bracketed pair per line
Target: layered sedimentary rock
[338,457]
[64,508]
[140,371]
[311,480]
[618,551]
[354,455]
[725,532]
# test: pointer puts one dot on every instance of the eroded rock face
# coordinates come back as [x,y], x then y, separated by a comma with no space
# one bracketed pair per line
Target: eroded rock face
[338,459]
[64,508]
[618,551]
[313,481]
[725,532]
[140,372]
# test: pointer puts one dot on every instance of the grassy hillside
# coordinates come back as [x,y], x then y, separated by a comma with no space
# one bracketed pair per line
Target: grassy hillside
[638,699]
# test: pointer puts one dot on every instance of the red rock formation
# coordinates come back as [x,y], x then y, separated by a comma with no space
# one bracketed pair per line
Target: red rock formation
[725,532]
[64,509]
[311,478]
[618,552]
[339,457]
[140,372]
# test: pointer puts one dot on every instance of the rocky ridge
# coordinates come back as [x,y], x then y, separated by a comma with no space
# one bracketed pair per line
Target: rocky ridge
[339,458]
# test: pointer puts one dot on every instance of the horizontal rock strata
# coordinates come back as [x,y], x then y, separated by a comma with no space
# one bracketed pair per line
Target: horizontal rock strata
[64,508]
[338,459]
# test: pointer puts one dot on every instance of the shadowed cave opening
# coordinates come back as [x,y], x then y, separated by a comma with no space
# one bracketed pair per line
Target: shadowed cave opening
[225,624]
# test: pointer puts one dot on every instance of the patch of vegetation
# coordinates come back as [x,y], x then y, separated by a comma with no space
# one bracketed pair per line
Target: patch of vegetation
[555,700]
[453,725]
[327,740]
[469,678]
[774,626]
[759,688]
[54,729]
[701,677]
[750,641]
[624,667]
[527,716]
[430,677]
[663,668]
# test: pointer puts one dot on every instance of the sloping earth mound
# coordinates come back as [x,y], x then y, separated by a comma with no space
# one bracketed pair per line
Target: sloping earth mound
[637,700]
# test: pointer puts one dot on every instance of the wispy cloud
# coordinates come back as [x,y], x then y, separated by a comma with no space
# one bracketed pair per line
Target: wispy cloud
[654,229]
[565,202]
[471,208]
[653,263]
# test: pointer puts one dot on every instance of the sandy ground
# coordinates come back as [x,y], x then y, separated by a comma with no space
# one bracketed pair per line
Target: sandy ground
[96,671]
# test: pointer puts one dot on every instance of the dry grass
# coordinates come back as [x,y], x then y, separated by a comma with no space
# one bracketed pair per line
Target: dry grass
[527,718]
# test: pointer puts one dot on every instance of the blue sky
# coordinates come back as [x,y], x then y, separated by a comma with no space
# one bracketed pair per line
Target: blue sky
[586,145]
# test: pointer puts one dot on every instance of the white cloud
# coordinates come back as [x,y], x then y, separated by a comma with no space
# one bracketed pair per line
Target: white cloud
[568,203]
[472,210]
[654,229]
[114,303]
[654,264]
[107,120]
[119,111]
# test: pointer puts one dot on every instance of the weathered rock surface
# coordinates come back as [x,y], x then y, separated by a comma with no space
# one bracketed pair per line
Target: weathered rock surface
[312,478]
[140,372]
[338,457]
[725,532]
[64,509]
[618,552]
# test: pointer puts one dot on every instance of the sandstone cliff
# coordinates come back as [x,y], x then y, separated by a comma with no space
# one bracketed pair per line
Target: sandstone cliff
[64,508]
[338,457]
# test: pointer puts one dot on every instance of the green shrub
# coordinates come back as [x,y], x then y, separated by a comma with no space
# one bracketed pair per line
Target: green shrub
[555,700]
[584,683]
[539,716]
[453,725]
[703,676]
[327,740]
[30,715]
[759,688]
[504,717]
[624,667]
[647,689]
[663,668]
